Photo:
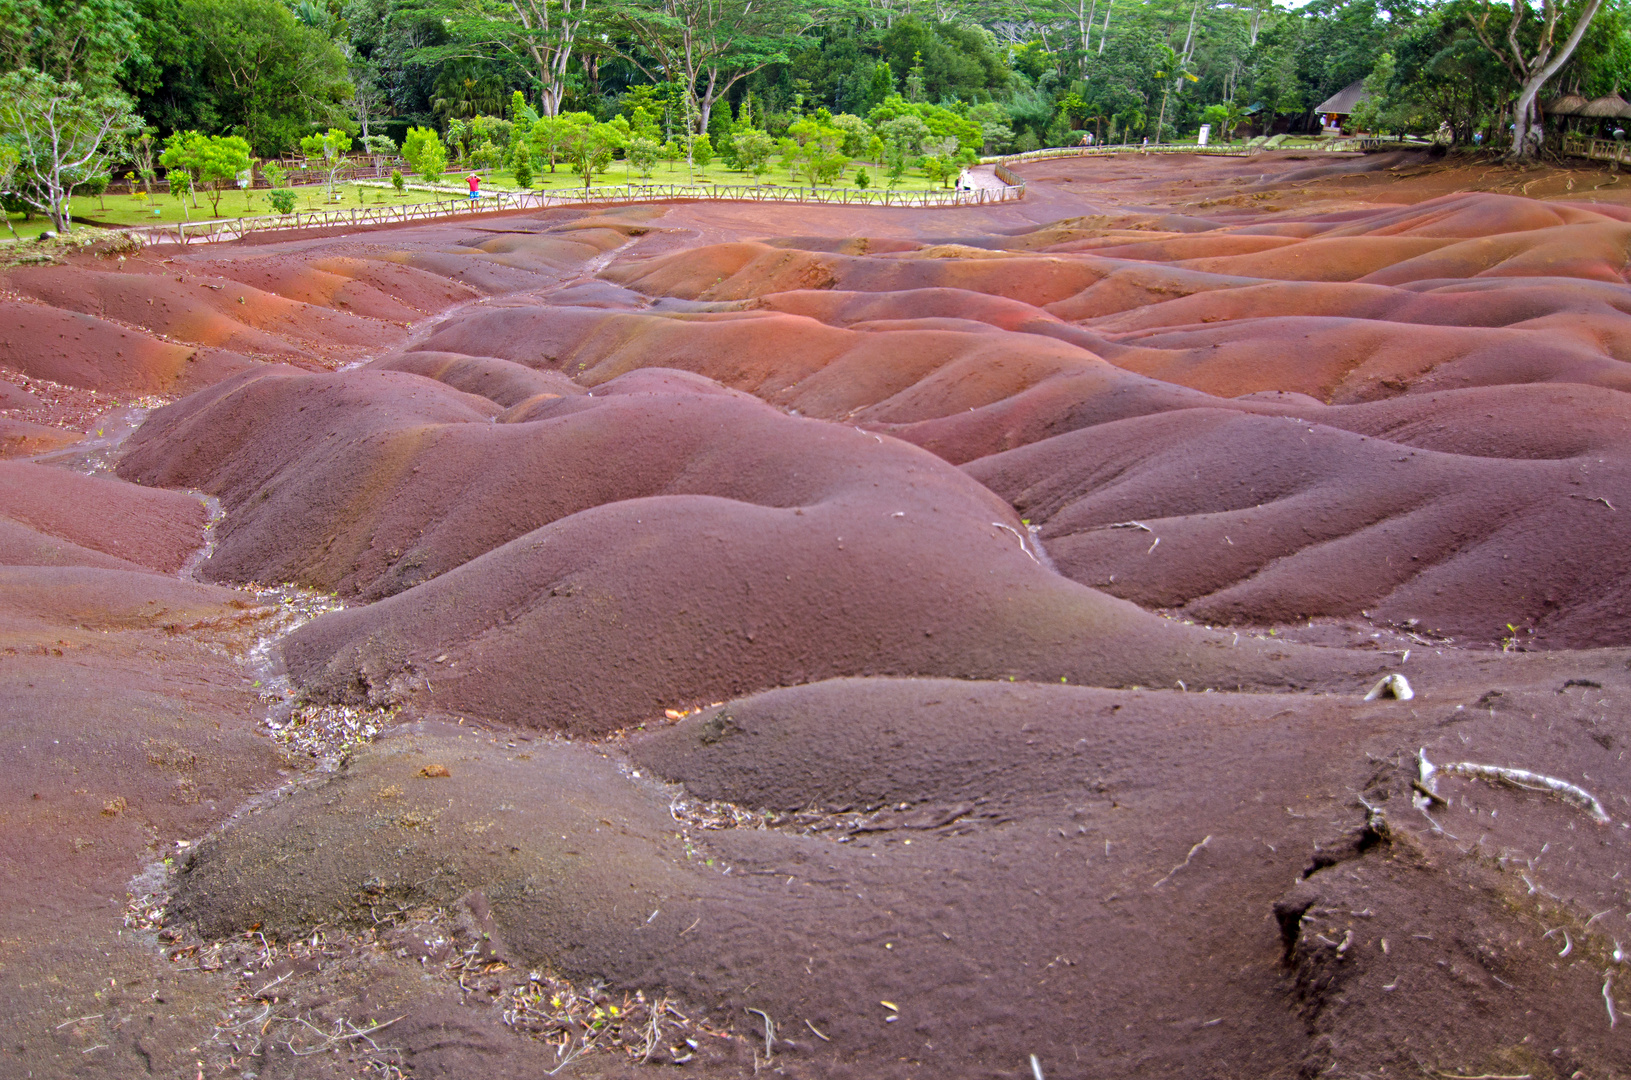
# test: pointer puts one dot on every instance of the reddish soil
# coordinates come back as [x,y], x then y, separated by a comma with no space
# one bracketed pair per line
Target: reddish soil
[841,642]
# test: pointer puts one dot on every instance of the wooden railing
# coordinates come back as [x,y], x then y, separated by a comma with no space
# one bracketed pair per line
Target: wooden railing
[221,229]
[1008,176]
[1123,148]
[1596,149]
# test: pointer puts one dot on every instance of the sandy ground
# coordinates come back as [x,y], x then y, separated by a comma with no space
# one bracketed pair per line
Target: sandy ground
[832,642]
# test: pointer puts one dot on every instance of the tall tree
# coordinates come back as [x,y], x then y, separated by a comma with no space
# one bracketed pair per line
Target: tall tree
[63,136]
[1532,67]
[541,35]
[272,78]
[78,41]
[709,46]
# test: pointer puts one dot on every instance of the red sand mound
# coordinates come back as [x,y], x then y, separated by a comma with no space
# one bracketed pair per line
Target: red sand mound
[584,495]
[608,531]
[497,380]
[1278,520]
[68,347]
[20,438]
[158,530]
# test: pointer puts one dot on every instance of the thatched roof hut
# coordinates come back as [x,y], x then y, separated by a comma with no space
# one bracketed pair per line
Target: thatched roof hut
[1609,106]
[1343,101]
[1567,105]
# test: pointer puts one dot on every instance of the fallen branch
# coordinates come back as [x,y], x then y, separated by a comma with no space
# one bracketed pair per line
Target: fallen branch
[1572,794]
[1187,859]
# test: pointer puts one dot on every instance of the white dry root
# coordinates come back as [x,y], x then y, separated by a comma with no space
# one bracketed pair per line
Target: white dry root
[1395,686]
[1572,794]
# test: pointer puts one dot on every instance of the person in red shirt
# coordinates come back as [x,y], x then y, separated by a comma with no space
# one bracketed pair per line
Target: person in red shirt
[475,186]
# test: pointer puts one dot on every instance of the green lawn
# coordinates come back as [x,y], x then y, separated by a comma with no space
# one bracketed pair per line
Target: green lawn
[717,173]
[126,210]
[120,211]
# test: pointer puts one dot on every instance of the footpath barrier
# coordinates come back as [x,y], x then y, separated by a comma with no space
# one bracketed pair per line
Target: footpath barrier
[1595,149]
[1122,148]
[222,229]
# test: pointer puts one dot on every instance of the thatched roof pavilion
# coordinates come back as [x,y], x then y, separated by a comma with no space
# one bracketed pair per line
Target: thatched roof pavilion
[1609,106]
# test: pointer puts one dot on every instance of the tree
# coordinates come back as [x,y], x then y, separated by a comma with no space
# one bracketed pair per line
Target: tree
[1176,72]
[328,148]
[1443,67]
[142,150]
[753,150]
[78,41]
[62,135]
[540,34]
[423,149]
[209,160]
[816,150]
[549,135]
[270,77]
[9,160]
[589,144]
[1531,70]
[708,46]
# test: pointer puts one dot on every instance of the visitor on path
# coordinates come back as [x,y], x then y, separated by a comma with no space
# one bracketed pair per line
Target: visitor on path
[475,186]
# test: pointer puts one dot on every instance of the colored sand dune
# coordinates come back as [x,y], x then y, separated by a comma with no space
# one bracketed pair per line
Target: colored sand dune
[845,641]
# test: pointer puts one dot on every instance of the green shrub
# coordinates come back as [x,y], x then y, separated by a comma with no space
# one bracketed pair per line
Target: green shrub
[397,182]
[862,180]
[282,200]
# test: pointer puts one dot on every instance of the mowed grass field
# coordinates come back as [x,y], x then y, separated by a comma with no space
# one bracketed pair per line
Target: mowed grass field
[125,211]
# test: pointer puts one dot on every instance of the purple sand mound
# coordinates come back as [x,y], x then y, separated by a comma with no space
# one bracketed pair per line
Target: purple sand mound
[1273,520]
[720,580]
[692,540]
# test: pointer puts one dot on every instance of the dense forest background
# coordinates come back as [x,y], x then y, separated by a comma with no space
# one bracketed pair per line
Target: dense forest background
[1029,73]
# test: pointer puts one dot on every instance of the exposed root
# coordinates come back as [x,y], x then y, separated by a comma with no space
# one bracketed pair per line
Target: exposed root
[1572,794]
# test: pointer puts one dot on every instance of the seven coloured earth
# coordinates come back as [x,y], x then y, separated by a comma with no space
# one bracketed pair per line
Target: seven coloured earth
[1175,625]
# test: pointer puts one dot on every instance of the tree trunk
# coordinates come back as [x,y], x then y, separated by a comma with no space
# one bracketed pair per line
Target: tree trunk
[1533,72]
[1527,132]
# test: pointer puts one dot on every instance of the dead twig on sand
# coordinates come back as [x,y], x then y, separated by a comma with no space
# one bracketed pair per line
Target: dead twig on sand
[816,1031]
[1572,794]
[331,1041]
[770,1030]
[1021,539]
[1187,859]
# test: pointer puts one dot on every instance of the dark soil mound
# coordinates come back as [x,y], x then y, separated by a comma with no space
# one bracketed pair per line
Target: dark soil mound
[752,604]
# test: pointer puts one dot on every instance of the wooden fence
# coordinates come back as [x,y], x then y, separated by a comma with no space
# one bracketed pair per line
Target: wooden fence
[221,229]
[1596,149]
[1124,148]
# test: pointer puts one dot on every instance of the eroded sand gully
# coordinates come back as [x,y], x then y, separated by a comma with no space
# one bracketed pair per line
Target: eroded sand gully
[832,642]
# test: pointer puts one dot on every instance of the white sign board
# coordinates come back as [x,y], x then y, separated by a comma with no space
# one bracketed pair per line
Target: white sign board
[1206,131]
